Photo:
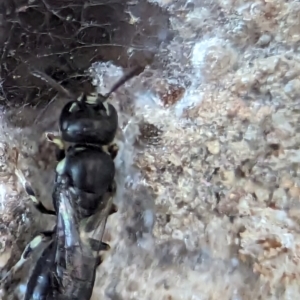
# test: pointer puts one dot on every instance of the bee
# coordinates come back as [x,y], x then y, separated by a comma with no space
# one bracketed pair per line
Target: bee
[82,199]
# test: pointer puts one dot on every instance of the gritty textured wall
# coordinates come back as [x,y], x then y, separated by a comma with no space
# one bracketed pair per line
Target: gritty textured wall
[209,159]
[223,173]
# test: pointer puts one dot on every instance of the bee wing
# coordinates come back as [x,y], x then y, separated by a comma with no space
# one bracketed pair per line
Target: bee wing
[103,215]
[67,231]
[96,224]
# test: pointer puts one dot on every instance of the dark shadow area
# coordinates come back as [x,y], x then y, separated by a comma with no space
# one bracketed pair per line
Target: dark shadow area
[63,39]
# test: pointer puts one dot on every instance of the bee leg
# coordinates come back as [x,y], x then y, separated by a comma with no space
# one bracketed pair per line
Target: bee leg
[98,245]
[101,256]
[112,188]
[47,234]
[44,236]
[111,149]
[36,242]
[94,244]
[60,152]
[99,261]
[111,191]
[93,221]
[29,190]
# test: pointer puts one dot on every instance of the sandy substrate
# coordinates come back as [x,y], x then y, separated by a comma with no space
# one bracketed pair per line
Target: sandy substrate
[208,168]
[222,175]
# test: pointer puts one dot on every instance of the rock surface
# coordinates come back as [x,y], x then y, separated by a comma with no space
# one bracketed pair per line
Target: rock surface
[209,159]
[224,170]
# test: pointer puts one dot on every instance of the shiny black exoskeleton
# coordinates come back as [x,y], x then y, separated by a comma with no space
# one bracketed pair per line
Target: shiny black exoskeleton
[90,119]
[91,173]
[93,123]
[82,198]
[67,267]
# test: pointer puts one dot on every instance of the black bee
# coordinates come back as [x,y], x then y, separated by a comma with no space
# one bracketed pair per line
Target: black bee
[82,199]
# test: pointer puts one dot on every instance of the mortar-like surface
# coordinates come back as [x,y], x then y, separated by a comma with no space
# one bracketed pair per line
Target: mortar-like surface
[208,172]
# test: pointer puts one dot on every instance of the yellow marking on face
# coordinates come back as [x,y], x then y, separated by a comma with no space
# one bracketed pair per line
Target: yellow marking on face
[92,98]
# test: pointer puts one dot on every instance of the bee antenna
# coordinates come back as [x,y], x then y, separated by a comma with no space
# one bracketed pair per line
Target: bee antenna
[54,84]
[134,72]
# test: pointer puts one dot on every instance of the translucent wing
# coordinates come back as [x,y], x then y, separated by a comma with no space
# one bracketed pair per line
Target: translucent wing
[67,228]
[93,228]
